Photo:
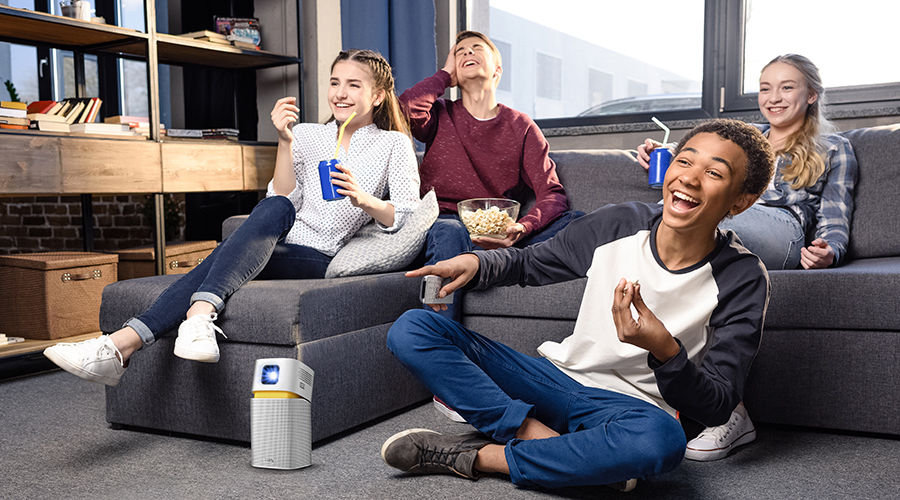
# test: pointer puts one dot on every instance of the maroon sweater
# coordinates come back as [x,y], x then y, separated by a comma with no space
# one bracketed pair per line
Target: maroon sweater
[504,157]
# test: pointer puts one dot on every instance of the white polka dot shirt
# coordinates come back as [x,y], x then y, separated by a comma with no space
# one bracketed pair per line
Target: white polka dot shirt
[383,163]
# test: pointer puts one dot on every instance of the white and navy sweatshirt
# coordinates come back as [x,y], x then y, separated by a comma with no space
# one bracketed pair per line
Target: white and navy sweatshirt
[714,309]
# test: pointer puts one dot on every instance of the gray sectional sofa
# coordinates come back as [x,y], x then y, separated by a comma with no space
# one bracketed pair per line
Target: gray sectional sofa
[830,353]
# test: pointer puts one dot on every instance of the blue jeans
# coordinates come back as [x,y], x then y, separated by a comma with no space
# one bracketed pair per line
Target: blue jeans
[448,238]
[772,233]
[254,250]
[605,437]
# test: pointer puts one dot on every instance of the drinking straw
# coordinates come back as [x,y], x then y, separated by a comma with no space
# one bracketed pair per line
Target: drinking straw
[341,133]
[665,139]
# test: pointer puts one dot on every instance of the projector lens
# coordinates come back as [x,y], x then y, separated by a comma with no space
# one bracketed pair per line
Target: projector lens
[270,374]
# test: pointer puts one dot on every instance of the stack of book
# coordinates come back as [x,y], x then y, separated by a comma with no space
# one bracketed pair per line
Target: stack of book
[207,36]
[138,124]
[69,115]
[10,340]
[230,134]
[13,115]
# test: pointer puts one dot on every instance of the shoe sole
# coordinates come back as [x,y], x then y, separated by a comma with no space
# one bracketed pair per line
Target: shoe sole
[448,412]
[399,435]
[76,370]
[203,357]
[719,453]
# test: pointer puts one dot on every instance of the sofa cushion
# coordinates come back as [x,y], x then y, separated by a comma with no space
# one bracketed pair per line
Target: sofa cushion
[281,312]
[594,178]
[372,250]
[857,296]
[877,204]
[556,301]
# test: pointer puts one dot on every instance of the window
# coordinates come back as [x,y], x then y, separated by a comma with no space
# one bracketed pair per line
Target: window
[627,61]
[548,75]
[600,86]
[588,52]
[506,56]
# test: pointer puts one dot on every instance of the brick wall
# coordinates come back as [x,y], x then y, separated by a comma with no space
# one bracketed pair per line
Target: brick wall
[41,223]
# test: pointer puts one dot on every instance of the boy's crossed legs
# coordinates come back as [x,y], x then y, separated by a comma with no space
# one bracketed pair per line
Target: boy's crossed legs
[604,437]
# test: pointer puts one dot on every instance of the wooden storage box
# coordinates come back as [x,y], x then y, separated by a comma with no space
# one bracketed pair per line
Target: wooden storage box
[139,262]
[53,294]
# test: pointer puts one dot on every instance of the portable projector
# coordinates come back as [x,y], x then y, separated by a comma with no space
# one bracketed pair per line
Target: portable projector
[280,414]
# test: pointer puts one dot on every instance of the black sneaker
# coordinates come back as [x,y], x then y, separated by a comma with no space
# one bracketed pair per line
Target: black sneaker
[423,451]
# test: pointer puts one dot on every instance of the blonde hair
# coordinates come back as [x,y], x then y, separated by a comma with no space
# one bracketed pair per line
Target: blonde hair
[804,146]
[387,115]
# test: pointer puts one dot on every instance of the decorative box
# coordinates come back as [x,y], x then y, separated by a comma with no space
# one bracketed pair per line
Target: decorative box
[181,257]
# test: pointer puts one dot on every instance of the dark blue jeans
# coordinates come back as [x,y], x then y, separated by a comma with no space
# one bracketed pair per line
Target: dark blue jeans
[605,437]
[448,238]
[253,251]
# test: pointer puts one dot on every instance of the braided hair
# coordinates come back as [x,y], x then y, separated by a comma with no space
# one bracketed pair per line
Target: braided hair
[387,115]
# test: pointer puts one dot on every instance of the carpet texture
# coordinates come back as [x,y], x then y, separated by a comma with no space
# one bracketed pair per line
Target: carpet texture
[55,443]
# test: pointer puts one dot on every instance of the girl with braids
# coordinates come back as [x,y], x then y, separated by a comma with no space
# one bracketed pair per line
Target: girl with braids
[291,234]
[811,193]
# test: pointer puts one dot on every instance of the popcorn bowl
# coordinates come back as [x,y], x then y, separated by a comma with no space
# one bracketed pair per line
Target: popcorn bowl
[488,217]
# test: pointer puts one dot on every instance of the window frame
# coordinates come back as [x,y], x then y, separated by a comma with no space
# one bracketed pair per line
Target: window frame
[722,94]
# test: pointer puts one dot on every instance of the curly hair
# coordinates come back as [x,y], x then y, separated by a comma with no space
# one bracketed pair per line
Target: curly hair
[760,157]
[387,115]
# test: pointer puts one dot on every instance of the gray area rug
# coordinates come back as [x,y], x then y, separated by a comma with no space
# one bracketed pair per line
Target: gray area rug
[55,443]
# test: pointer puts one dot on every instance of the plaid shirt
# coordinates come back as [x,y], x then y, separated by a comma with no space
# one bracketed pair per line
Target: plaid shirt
[828,202]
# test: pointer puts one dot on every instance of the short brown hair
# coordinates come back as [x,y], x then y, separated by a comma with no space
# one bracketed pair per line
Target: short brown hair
[462,35]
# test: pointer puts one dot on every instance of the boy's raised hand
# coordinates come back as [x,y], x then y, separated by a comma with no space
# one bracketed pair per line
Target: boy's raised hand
[461,269]
[450,66]
[647,331]
[284,114]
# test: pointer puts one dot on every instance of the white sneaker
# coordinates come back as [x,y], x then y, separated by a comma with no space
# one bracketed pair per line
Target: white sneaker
[96,360]
[446,411]
[717,442]
[197,339]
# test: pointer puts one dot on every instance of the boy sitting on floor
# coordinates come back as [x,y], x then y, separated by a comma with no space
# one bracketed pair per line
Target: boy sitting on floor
[687,307]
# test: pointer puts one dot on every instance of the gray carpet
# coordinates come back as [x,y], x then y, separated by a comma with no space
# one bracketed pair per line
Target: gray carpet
[55,443]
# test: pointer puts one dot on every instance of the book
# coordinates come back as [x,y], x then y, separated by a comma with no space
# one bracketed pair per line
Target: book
[55,109]
[44,117]
[126,119]
[14,121]
[73,113]
[185,133]
[13,127]
[4,340]
[90,114]
[245,29]
[13,113]
[40,106]
[101,128]
[203,34]
[244,45]
[13,105]
[50,126]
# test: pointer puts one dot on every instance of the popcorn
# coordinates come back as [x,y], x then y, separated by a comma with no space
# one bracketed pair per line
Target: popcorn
[489,222]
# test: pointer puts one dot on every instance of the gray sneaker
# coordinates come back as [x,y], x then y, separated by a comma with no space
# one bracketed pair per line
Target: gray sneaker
[97,360]
[423,451]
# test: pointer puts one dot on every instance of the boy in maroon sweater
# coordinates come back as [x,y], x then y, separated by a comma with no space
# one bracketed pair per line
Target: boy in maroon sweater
[478,148]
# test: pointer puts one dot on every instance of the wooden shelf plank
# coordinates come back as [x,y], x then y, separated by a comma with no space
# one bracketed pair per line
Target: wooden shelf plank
[29,165]
[24,26]
[105,167]
[200,166]
[259,166]
[30,346]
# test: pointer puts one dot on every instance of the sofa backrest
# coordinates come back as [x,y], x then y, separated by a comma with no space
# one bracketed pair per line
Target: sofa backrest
[596,177]
[875,228]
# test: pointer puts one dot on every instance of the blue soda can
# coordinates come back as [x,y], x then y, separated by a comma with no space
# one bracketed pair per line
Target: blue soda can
[659,162]
[329,190]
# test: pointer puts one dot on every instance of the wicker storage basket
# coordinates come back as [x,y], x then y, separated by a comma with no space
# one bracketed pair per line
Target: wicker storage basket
[140,261]
[54,294]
